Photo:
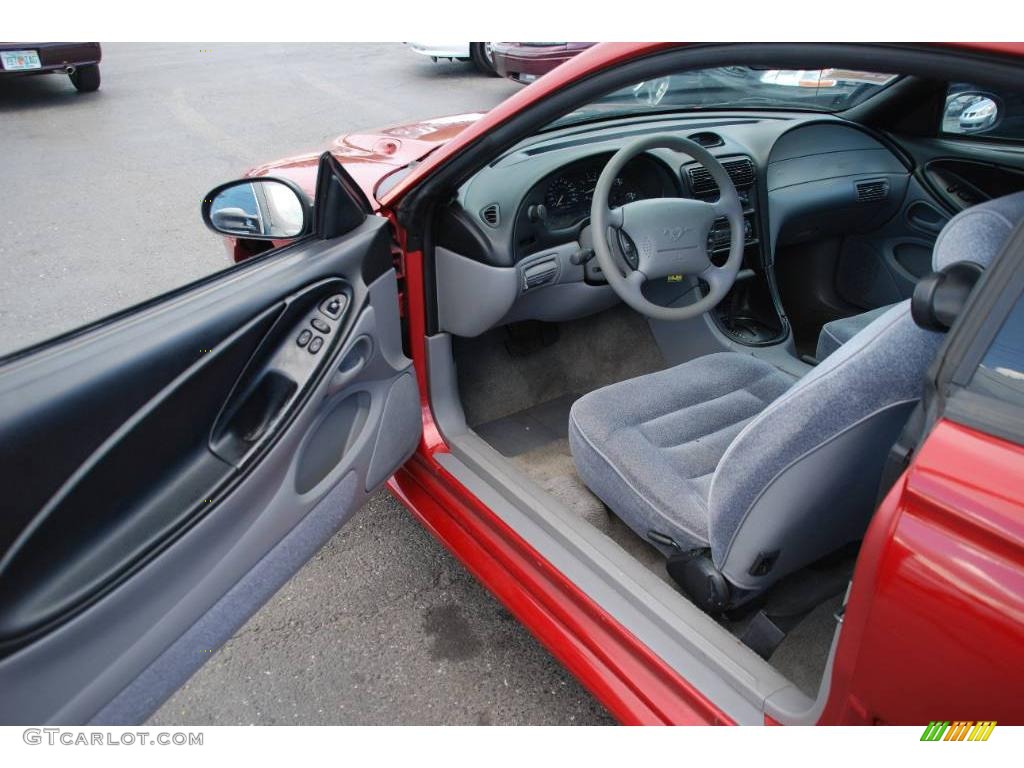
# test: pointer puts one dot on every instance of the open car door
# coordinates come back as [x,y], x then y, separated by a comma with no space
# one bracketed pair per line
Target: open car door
[166,470]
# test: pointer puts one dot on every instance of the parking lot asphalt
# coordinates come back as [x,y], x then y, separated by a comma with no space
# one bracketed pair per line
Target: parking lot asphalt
[101,211]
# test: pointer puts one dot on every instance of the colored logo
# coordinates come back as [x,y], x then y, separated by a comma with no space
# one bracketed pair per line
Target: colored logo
[960,730]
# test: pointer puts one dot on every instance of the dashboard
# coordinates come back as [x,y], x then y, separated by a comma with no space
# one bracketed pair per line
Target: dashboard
[508,246]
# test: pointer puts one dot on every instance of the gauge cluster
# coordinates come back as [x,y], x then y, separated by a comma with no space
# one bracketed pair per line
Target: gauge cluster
[568,196]
[562,200]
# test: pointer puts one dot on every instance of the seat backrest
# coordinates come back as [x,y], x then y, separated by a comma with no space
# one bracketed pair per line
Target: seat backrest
[800,480]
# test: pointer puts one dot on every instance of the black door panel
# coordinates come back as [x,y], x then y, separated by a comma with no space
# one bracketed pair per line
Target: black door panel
[961,172]
[151,476]
[963,183]
[159,463]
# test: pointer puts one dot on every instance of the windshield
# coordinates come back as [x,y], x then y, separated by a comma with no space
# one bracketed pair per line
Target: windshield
[822,90]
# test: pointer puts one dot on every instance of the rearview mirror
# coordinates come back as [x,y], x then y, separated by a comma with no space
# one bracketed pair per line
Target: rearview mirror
[262,208]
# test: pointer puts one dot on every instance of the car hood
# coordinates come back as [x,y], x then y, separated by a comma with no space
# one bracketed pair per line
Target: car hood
[372,156]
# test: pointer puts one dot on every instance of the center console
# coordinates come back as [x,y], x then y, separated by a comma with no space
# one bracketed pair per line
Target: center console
[747,314]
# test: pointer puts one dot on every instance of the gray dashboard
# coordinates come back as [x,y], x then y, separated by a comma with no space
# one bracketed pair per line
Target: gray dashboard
[493,268]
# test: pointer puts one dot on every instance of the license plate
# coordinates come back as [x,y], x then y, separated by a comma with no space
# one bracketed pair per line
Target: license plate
[14,61]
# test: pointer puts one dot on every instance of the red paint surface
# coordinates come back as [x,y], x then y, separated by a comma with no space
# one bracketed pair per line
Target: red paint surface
[935,624]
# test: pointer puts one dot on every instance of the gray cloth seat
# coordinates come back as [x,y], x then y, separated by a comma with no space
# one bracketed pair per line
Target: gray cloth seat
[648,447]
[726,452]
[837,332]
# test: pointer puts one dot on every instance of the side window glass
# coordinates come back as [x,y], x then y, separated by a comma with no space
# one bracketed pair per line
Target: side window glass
[1001,373]
[974,111]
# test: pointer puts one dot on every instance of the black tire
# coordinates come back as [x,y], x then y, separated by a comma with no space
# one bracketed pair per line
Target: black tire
[86,78]
[482,58]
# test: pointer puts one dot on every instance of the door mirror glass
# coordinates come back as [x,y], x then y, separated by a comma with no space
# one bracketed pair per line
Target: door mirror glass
[970,112]
[257,209]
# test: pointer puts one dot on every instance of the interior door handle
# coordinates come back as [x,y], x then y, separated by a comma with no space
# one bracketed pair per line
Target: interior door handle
[351,365]
[293,352]
[926,217]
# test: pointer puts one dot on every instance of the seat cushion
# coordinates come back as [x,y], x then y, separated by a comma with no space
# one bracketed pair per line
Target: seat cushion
[648,447]
[836,333]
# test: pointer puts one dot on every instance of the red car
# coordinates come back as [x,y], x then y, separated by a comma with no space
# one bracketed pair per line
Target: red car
[79,61]
[525,62]
[719,392]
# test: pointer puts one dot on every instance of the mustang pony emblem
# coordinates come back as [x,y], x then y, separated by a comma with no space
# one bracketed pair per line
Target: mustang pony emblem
[675,233]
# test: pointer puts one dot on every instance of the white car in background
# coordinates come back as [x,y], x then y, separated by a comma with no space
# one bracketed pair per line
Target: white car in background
[480,54]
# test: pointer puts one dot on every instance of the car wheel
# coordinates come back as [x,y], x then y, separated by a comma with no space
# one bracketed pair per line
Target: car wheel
[86,78]
[483,58]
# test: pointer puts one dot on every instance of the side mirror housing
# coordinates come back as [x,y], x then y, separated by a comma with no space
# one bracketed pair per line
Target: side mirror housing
[260,208]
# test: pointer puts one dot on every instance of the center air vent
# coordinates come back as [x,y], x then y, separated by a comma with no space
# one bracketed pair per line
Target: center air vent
[706,139]
[491,215]
[740,171]
[872,191]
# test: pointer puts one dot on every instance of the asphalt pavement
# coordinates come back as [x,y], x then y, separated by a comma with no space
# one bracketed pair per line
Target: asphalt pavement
[101,210]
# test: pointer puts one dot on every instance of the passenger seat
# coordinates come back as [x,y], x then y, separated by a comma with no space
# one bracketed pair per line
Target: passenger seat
[837,332]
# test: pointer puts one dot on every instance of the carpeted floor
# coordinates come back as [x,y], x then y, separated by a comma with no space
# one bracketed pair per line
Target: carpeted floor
[587,354]
[517,388]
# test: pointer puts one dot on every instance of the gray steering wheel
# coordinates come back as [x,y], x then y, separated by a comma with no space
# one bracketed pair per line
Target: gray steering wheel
[670,234]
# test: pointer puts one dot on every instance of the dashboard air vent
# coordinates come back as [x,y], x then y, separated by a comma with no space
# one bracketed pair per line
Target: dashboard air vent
[491,215]
[740,171]
[706,139]
[872,191]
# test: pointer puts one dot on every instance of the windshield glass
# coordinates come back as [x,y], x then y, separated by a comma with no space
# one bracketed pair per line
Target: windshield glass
[822,90]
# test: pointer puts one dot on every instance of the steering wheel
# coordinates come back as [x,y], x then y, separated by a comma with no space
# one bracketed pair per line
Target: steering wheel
[670,234]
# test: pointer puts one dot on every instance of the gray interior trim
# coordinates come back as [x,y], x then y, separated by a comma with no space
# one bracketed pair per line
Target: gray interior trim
[177,664]
[812,478]
[471,296]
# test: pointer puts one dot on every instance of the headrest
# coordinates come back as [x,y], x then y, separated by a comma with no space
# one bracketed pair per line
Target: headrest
[979,233]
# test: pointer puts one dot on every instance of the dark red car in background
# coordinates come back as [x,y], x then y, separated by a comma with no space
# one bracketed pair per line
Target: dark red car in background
[79,61]
[525,62]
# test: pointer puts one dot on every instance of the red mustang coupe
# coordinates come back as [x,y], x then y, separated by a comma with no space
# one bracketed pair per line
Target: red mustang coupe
[716,381]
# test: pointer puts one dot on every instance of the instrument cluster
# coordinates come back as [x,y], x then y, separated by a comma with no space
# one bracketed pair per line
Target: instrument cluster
[568,195]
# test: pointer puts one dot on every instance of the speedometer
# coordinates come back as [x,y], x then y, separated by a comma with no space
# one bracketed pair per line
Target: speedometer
[562,195]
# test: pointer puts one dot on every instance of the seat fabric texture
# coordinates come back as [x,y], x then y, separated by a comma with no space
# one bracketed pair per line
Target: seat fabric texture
[725,451]
[837,332]
[648,447]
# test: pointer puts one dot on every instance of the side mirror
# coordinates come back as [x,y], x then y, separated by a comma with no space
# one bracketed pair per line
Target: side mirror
[261,208]
[941,296]
[970,112]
